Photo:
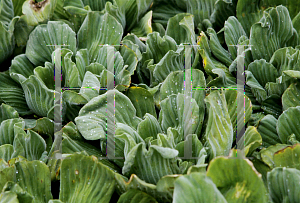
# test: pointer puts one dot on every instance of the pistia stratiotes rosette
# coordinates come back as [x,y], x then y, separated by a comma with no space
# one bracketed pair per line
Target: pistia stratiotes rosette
[150,43]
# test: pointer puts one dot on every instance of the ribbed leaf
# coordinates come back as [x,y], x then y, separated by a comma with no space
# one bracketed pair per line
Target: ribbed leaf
[237,179]
[7,40]
[80,177]
[142,101]
[267,130]
[282,184]
[52,33]
[263,71]
[288,124]
[98,29]
[291,96]
[133,195]
[196,187]
[286,59]
[21,65]
[91,121]
[267,154]
[288,157]
[144,27]
[252,140]
[7,130]
[6,152]
[200,9]
[233,31]
[178,114]
[272,32]
[181,28]
[218,133]
[7,112]
[34,177]
[152,164]
[6,11]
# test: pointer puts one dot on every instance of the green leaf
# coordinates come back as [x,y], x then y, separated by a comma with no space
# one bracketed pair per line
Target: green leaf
[263,71]
[233,31]
[142,101]
[172,61]
[218,133]
[38,12]
[39,98]
[144,27]
[143,162]
[8,197]
[200,9]
[7,112]
[134,195]
[21,65]
[241,118]
[237,179]
[34,177]
[52,33]
[176,114]
[271,32]
[80,177]
[149,127]
[22,195]
[291,96]
[7,40]
[7,130]
[267,154]
[31,146]
[286,59]
[196,187]
[98,29]
[258,91]
[6,11]
[252,140]
[91,121]
[267,129]
[181,28]
[216,48]
[282,184]
[288,157]
[6,152]
[288,124]
[89,82]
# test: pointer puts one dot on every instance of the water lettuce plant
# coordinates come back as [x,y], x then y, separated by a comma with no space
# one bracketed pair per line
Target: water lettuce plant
[152,128]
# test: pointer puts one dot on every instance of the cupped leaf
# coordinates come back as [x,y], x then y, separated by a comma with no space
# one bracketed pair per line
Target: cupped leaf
[22,195]
[143,162]
[233,31]
[34,177]
[181,28]
[50,34]
[288,157]
[7,112]
[252,140]
[7,39]
[6,152]
[267,154]
[288,124]
[196,187]
[80,177]
[91,121]
[99,29]
[263,71]
[144,27]
[142,101]
[291,96]
[179,114]
[272,32]
[285,59]
[237,179]
[134,195]
[21,65]
[267,129]
[218,133]
[282,184]
[149,127]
